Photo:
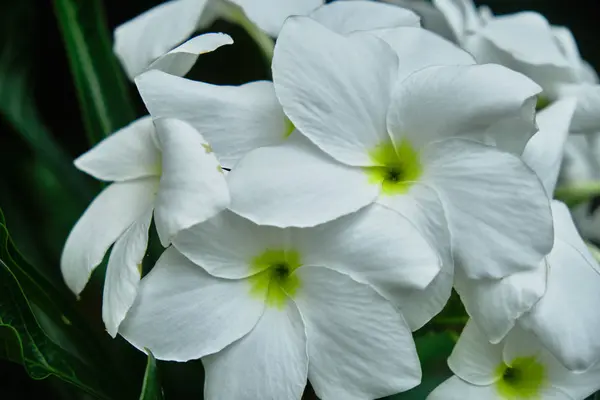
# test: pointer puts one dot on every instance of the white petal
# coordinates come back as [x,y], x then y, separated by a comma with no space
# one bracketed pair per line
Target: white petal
[296,184]
[142,40]
[182,313]
[105,219]
[579,164]
[461,15]
[544,151]
[452,101]
[588,74]
[123,273]
[408,43]
[350,16]
[270,362]
[567,44]
[474,359]
[499,214]
[496,304]
[431,18]
[192,186]
[375,245]
[586,118]
[129,153]
[565,320]
[181,59]
[335,89]
[456,389]
[269,15]
[358,344]
[234,119]
[226,244]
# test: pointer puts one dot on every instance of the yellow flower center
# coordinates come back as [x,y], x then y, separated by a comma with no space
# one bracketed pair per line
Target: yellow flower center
[399,167]
[275,275]
[523,379]
[289,128]
[542,102]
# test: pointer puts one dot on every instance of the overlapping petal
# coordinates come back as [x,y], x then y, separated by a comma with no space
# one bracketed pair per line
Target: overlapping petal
[586,118]
[455,388]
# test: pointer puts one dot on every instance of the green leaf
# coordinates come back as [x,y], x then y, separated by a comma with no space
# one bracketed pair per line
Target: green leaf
[576,194]
[151,389]
[100,82]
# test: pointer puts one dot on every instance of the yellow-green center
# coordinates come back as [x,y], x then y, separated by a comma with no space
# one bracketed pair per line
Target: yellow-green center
[275,276]
[542,102]
[398,167]
[289,128]
[523,379]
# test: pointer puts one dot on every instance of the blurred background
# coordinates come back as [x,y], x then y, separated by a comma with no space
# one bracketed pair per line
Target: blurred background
[42,129]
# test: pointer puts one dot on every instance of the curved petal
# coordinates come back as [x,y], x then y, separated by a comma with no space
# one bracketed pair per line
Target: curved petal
[586,118]
[408,43]
[460,101]
[461,15]
[234,119]
[123,273]
[182,313]
[496,304]
[359,345]
[456,389]
[474,359]
[376,246]
[296,184]
[269,15]
[226,244]
[270,362]
[564,320]
[349,16]
[544,151]
[431,18]
[129,153]
[498,212]
[192,186]
[143,39]
[105,219]
[335,89]
[181,59]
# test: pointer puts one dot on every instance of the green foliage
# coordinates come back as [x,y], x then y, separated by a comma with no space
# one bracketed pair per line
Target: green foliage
[151,388]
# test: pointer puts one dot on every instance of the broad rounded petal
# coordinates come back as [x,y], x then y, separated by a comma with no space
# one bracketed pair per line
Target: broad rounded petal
[460,101]
[564,320]
[129,153]
[192,186]
[296,184]
[408,43]
[105,219]
[269,15]
[431,18]
[181,59]
[375,245]
[350,16]
[474,358]
[456,389]
[270,362]
[226,244]
[544,151]
[182,313]
[359,345]
[142,40]
[461,15]
[123,273]
[234,119]
[496,304]
[498,212]
[568,45]
[586,118]
[335,89]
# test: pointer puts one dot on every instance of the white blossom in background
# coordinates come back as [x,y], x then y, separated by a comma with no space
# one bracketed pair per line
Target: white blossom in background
[266,308]
[140,41]
[519,367]
[163,168]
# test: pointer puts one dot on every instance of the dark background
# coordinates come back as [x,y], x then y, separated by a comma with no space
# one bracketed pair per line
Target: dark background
[56,99]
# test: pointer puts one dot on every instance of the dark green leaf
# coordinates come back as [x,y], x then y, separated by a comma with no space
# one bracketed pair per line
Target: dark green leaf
[151,389]
[99,80]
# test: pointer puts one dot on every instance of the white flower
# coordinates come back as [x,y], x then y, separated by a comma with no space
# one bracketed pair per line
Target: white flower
[527,43]
[411,146]
[238,119]
[169,173]
[266,307]
[517,368]
[155,32]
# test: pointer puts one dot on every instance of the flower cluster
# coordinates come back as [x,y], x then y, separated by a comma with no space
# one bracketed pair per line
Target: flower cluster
[313,222]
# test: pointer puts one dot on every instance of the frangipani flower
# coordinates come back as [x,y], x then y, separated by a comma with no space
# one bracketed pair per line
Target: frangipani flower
[169,172]
[517,368]
[266,307]
[413,146]
[142,40]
